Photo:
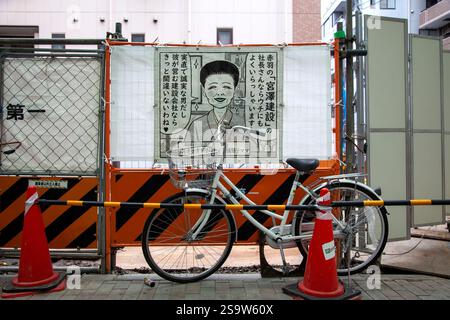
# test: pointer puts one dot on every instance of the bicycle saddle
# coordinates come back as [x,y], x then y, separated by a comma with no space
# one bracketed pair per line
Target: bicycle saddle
[303,165]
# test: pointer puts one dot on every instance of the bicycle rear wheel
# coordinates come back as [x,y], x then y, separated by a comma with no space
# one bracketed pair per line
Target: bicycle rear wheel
[364,236]
[168,248]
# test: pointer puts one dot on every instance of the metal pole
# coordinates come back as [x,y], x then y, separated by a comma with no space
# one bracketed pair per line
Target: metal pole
[350,120]
[361,134]
[2,60]
[86,254]
[106,260]
[340,101]
[18,49]
[55,268]
[101,212]
[8,41]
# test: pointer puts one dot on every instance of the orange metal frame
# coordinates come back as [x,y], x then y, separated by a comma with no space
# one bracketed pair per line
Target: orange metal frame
[110,171]
[337,98]
[108,165]
[303,44]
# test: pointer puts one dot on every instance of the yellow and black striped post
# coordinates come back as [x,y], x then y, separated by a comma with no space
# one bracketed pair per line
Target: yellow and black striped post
[389,203]
[278,207]
[175,205]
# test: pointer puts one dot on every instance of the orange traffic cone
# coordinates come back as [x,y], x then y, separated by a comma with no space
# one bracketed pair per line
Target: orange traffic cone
[35,266]
[320,280]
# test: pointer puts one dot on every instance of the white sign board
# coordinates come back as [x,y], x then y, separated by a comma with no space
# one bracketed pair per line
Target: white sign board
[291,93]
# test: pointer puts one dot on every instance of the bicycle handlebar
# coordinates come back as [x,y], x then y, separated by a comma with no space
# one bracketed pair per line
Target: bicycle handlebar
[249,130]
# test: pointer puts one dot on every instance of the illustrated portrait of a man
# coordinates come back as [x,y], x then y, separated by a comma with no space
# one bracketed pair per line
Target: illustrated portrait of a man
[202,92]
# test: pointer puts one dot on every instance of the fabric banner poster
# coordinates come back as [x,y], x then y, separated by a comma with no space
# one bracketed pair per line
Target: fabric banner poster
[208,95]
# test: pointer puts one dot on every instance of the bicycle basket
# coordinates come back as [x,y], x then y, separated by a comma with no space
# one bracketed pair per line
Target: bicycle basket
[193,167]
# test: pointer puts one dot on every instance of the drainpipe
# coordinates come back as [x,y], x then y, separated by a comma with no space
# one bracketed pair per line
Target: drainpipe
[350,120]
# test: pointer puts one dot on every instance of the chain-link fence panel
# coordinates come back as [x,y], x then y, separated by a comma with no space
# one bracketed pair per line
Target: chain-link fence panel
[50,115]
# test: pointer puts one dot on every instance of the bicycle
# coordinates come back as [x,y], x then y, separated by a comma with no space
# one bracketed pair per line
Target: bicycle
[187,245]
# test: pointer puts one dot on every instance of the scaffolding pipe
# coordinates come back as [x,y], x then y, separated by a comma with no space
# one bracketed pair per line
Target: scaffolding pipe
[7,41]
[350,116]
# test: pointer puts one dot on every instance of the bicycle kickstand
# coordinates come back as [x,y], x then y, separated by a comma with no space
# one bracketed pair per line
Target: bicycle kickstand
[283,258]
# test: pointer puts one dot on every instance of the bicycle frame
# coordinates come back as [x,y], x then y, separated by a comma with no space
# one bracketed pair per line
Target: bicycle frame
[218,185]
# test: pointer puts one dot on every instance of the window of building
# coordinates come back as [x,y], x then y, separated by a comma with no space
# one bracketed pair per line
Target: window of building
[429,32]
[387,4]
[327,24]
[430,3]
[337,16]
[58,36]
[224,36]
[445,30]
[24,32]
[138,37]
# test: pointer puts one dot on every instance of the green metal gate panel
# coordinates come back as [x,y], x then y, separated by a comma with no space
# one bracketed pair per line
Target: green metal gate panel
[446,86]
[386,94]
[427,148]
[383,145]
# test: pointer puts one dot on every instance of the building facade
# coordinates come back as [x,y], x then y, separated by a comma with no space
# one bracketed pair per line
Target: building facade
[435,20]
[426,17]
[306,20]
[165,21]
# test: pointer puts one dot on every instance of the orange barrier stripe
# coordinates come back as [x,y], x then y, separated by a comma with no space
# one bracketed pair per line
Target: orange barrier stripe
[152,205]
[122,191]
[13,210]
[276,207]
[111,204]
[76,203]
[16,207]
[234,206]
[421,202]
[128,232]
[75,229]
[6,183]
[192,206]
[53,212]
[373,203]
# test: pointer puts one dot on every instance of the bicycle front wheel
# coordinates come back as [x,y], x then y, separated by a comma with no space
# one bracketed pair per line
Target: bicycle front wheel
[363,232]
[171,250]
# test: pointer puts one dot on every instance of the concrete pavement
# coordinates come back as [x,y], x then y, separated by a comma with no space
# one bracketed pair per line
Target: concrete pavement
[238,287]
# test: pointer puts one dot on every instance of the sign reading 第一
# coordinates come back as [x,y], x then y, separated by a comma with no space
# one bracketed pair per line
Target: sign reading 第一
[199,90]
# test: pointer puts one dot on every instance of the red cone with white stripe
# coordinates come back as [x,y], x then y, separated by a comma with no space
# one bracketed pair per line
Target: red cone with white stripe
[35,266]
[321,275]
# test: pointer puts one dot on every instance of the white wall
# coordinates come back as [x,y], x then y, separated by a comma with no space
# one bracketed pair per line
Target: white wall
[253,21]
[56,16]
